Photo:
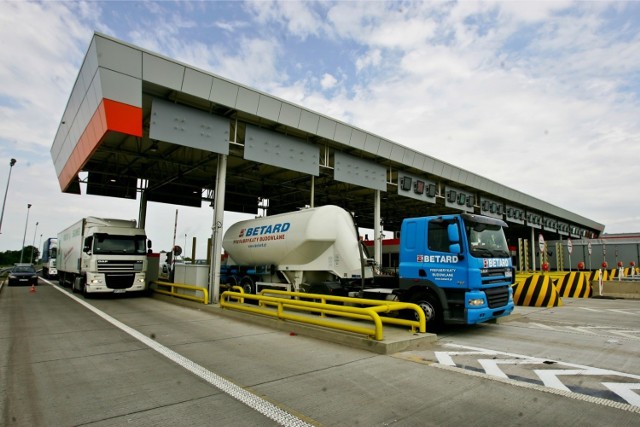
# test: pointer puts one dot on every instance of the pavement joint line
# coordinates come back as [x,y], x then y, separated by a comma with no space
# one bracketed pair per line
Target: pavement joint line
[252,400]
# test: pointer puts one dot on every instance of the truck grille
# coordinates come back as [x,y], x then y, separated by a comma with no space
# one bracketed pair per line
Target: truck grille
[119,266]
[495,276]
[119,281]
[497,297]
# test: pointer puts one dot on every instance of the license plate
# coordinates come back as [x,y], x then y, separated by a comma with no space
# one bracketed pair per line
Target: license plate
[119,291]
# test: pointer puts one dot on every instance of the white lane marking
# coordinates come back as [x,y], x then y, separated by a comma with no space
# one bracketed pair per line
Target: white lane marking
[584,329]
[623,311]
[251,400]
[625,333]
[542,326]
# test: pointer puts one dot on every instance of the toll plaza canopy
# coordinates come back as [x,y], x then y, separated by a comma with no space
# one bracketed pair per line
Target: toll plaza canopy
[137,121]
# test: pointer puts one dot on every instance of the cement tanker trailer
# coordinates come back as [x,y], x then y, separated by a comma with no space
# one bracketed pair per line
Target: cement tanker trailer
[307,250]
[457,267]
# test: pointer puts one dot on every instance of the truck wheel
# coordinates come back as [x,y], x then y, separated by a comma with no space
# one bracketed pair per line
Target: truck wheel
[248,285]
[432,310]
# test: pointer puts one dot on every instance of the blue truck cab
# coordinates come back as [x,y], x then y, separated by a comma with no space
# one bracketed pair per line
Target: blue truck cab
[457,267]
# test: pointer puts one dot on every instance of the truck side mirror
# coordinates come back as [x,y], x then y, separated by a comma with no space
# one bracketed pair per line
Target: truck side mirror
[455,248]
[454,235]
[88,242]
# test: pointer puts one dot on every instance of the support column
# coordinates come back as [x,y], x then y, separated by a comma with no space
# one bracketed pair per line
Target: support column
[313,191]
[142,210]
[533,250]
[216,229]
[377,230]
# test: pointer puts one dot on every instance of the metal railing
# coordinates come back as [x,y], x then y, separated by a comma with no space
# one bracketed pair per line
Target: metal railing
[174,287]
[288,307]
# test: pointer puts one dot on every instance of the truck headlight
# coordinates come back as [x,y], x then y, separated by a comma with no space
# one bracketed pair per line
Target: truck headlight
[476,302]
[95,281]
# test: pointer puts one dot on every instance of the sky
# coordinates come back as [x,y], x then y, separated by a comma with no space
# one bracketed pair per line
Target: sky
[540,96]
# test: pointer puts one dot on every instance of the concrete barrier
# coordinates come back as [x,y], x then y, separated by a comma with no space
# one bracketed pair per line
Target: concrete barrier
[593,275]
[625,289]
[574,285]
[536,290]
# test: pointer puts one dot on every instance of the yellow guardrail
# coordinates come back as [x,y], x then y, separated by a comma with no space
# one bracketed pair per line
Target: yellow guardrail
[372,312]
[173,287]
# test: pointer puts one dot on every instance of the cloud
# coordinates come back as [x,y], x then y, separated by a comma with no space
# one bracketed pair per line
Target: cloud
[328,81]
[538,96]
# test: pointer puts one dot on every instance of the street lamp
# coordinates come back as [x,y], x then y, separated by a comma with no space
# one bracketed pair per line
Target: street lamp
[25,232]
[34,241]
[11,163]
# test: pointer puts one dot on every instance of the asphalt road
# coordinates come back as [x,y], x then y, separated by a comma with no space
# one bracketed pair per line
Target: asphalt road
[67,361]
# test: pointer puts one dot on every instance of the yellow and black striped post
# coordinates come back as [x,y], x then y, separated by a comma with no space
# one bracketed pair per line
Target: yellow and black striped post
[536,290]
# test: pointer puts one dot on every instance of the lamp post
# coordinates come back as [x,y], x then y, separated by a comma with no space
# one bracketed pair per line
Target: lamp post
[25,232]
[11,163]
[34,241]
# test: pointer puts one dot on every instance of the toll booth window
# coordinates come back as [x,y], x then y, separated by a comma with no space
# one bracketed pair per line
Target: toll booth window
[438,237]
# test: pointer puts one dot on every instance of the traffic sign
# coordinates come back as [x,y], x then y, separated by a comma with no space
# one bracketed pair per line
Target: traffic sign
[569,246]
[541,242]
[589,248]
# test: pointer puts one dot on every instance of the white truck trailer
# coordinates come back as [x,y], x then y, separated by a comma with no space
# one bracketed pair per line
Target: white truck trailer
[103,255]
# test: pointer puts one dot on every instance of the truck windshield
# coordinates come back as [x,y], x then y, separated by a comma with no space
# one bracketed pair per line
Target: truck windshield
[110,244]
[486,240]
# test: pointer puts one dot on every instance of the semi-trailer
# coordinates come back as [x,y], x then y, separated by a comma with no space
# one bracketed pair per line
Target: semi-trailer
[49,255]
[103,255]
[457,267]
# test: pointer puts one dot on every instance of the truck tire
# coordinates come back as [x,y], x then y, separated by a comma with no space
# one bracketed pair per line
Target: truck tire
[75,285]
[78,286]
[248,285]
[432,310]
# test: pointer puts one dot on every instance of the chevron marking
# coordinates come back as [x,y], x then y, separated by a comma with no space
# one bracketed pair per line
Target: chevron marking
[444,357]
[490,366]
[625,391]
[550,376]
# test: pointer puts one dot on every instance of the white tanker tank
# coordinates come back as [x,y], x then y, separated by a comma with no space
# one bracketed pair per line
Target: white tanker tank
[297,249]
